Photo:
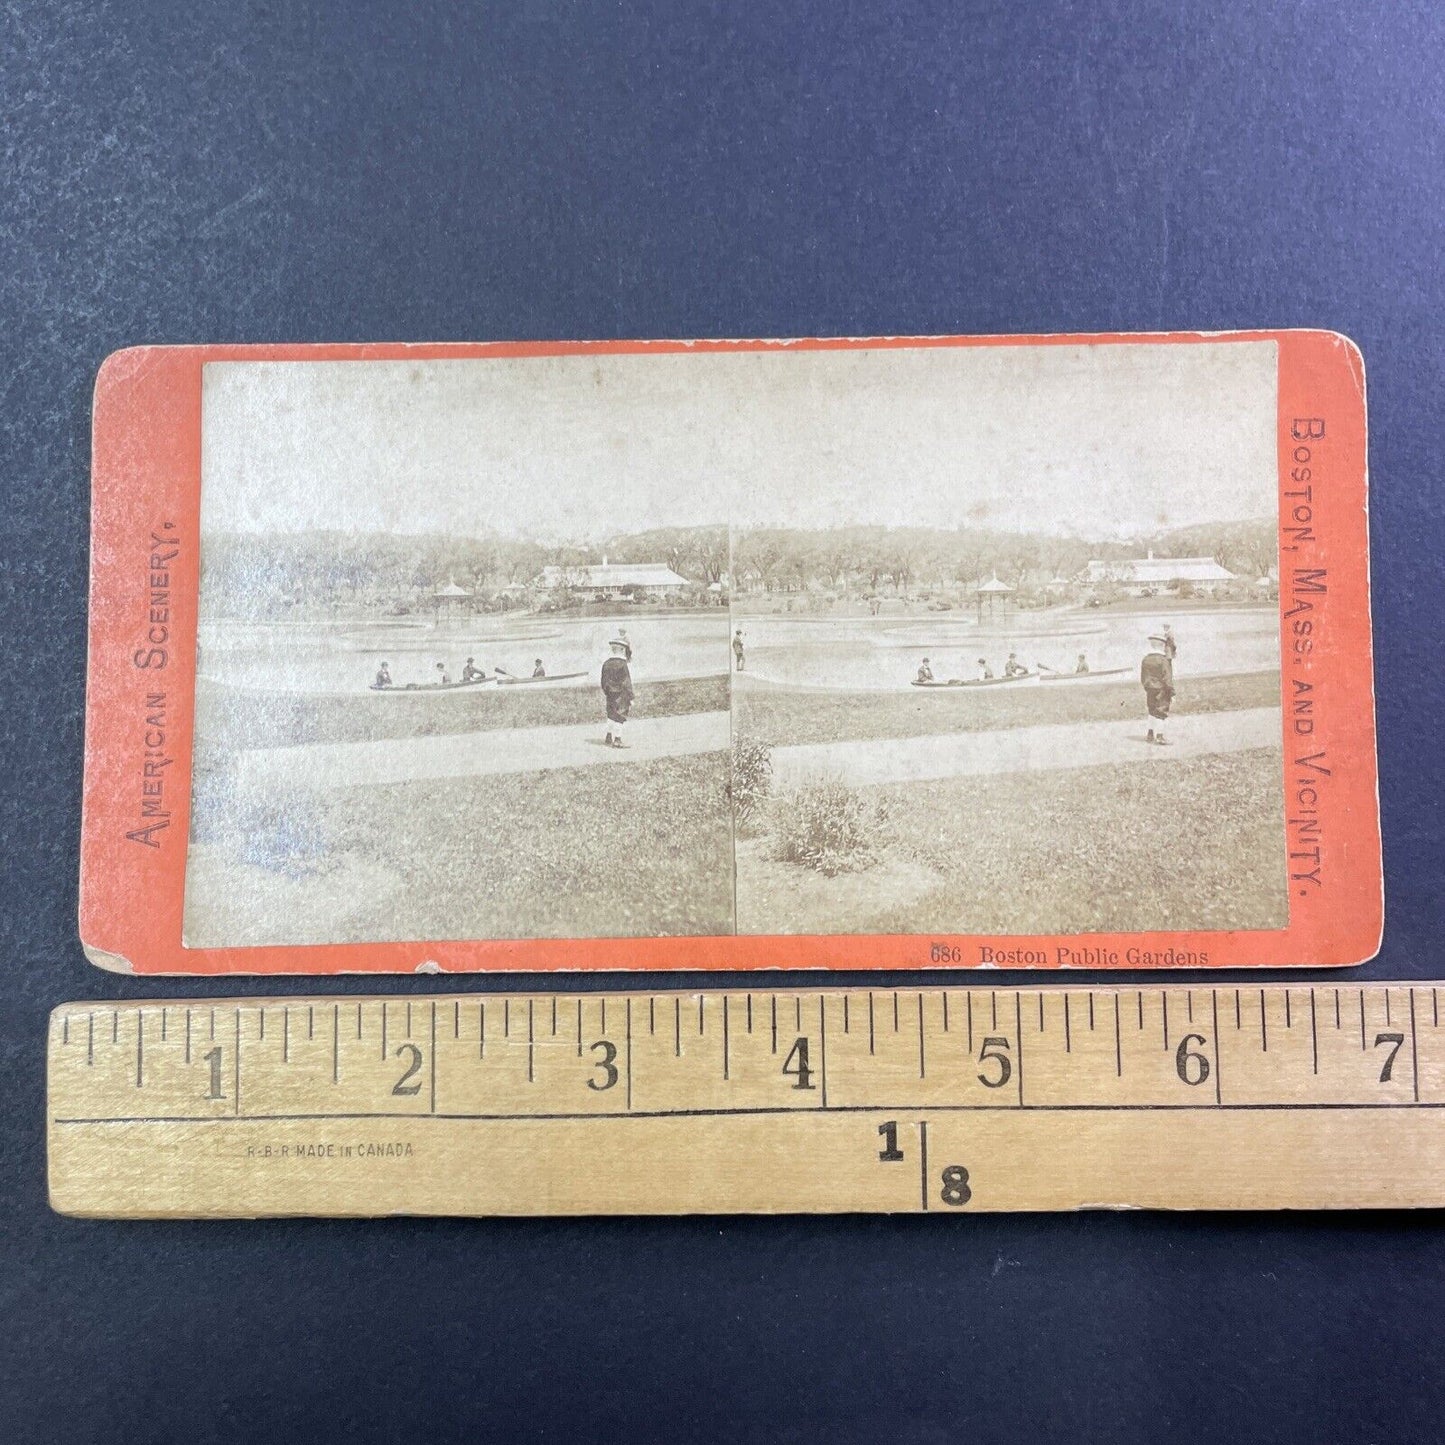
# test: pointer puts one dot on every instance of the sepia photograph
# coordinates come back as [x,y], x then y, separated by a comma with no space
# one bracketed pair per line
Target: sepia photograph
[1006,647]
[463,658]
[905,639]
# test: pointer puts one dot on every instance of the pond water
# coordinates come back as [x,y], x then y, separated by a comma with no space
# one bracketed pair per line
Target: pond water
[328,659]
[862,653]
[871,653]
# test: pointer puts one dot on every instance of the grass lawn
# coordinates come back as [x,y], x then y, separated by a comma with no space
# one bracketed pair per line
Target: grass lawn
[1197,844]
[576,852]
[230,718]
[780,715]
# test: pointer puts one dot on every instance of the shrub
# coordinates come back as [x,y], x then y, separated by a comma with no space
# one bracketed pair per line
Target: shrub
[752,778]
[831,828]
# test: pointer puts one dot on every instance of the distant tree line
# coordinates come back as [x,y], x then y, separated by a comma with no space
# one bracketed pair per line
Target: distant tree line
[267,574]
[907,559]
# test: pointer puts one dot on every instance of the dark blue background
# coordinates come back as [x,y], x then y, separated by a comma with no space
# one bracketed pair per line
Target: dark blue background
[432,171]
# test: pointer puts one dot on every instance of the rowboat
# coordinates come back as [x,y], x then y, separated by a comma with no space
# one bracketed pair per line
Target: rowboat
[978,681]
[551,677]
[410,687]
[1084,676]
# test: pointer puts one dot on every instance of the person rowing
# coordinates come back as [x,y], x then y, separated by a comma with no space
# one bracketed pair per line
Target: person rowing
[446,677]
[985,672]
[471,672]
[1081,666]
[1013,667]
[925,673]
[383,675]
[538,670]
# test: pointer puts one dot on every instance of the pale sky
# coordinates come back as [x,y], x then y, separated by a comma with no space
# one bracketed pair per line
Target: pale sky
[1097,441]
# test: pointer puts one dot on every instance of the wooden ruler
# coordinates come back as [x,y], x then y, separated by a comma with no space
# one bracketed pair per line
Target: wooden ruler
[910,1100]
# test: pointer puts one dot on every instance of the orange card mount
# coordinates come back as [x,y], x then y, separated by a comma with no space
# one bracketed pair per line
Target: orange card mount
[891,653]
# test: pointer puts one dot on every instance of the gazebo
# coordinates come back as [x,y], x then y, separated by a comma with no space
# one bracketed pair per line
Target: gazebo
[990,592]
[447,601]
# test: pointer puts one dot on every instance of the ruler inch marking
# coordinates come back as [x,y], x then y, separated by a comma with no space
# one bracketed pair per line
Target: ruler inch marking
[1314,1038]
[923,1160]
[1019,1024]
[1414,1048]
[823,1047]
[1218,1077]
